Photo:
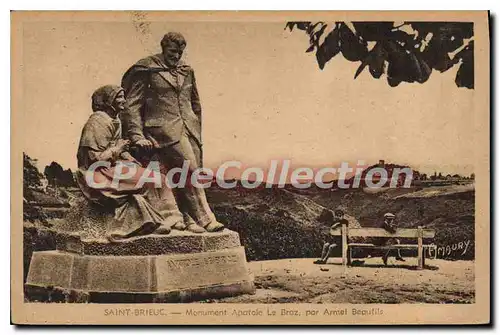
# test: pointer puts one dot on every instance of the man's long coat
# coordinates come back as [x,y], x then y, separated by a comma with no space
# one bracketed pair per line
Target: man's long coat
[163,103]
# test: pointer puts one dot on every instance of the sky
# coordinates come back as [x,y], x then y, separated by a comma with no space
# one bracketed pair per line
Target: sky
[263,97]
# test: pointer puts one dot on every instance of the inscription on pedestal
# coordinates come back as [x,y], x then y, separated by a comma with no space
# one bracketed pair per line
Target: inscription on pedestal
[218,267]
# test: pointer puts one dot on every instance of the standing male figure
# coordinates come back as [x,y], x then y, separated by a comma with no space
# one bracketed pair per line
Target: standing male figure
[164,116]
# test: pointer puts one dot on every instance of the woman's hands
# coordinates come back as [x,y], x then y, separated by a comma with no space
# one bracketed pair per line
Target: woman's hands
[122,145]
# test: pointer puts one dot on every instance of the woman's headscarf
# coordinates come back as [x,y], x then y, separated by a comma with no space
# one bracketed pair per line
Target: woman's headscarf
[103,97]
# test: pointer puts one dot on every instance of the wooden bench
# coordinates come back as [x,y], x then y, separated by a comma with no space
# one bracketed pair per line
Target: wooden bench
[419,234]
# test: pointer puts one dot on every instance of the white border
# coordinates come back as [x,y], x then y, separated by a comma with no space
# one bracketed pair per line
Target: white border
[195,5]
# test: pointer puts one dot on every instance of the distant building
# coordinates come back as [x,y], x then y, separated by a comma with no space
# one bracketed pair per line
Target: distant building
[390,169]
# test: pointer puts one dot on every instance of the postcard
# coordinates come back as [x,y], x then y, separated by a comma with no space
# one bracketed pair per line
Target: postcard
[250,168]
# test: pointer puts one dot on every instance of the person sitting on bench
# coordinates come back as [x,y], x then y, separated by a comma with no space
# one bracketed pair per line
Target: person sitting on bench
[390,224]
[338,220]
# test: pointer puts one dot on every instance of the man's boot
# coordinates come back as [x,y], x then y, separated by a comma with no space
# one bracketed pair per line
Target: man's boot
[194,228]
[191,226]
[214,226]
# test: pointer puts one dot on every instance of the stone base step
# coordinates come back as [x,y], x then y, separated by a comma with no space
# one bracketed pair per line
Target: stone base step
[57,294]
[154,278]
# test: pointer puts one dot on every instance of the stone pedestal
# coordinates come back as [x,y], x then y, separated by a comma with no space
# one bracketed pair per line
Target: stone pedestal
[178,267]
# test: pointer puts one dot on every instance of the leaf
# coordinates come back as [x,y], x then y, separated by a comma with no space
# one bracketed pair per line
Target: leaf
[301,25]
[290,25]
[315,35]
[405,65]
[393,82]
[437,55]
[353,49]
[465,74]
[424,71]
[375,60]
[447,37]
[372,31]
[328,49]
[360,69]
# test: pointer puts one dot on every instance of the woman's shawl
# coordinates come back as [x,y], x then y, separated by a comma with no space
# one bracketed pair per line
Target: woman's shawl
[99,133]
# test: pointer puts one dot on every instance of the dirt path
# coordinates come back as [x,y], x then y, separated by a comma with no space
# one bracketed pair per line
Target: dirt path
[299,280]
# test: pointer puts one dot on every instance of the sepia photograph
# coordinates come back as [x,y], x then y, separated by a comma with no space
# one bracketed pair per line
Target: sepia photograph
[250,167]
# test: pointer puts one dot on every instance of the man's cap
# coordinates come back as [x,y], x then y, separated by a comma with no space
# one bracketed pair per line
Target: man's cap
[389,215]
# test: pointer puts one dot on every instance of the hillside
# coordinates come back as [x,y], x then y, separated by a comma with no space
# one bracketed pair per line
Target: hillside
[274,223]
[277,223]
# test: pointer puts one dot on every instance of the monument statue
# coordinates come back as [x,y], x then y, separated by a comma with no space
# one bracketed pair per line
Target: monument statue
[164,117]
[131,241]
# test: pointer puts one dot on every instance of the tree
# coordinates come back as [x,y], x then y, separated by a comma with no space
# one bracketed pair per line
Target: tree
[406,52]
[69,178]
[57,176]
[32,178]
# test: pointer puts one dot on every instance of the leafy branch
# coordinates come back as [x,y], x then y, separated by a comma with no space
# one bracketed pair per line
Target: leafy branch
[405,52]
